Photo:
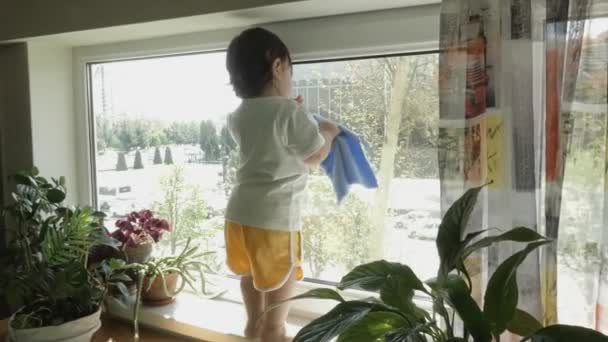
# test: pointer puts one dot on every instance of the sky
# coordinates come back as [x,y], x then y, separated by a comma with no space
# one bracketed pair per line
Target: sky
[179,88]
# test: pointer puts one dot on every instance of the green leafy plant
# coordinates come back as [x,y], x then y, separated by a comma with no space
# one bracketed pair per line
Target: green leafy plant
[396,316]
[138,163]
[158,159]
[168,156]
[188,265]
[182,205]
[48,274]
[121,164]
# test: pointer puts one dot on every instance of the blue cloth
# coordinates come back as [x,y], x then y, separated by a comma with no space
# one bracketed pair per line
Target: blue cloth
[347,164]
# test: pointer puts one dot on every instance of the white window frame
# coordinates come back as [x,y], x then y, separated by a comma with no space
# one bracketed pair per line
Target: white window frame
[344,37]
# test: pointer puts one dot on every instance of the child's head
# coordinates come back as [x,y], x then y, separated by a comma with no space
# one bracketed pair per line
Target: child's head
[259,64]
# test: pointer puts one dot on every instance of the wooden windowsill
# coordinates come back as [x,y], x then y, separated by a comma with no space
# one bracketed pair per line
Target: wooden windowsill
[113,330]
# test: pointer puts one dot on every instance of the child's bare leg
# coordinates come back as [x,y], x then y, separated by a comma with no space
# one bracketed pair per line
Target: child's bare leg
[254,304]
[274,323]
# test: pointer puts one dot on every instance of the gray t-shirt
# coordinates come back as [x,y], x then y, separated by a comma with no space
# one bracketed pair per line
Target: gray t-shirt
[275,135]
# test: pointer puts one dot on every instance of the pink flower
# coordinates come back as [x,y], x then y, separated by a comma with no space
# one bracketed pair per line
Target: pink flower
[140,227]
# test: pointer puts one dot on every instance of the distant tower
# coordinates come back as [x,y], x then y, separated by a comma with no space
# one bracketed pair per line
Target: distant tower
[103,99]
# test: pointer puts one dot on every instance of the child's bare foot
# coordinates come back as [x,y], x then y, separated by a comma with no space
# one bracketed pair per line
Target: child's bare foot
[253,330]
[275,334]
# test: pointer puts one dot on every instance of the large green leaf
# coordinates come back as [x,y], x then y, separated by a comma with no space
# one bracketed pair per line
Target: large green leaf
[566,333]
[520,234]
[321,293]
[500,300]
[55,196]
[373,327]
[335,322]
[373,276]
[24,179]
[398,293]
[407,334]
[523,324]
[451,229]
[457,294]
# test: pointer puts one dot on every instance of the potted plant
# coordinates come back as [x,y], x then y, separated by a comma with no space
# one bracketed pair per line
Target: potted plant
[161,279]
[54,288]
[160,276]
[138,232]
[395,316]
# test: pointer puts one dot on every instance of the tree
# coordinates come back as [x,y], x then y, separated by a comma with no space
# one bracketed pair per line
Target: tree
[138,163]
[209,141]
[158,159]
[158,137]
[184,208]
[133,134]
[181,133]
[334,236]
[393,107]
[121,164]
[191,133]
[104,133]
[168,156]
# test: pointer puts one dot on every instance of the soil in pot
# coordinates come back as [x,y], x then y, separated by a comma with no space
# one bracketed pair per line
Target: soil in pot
[156,296]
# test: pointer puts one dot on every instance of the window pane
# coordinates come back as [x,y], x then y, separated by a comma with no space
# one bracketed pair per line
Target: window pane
[161,142]
[392,104]
[172,112]
[582,224]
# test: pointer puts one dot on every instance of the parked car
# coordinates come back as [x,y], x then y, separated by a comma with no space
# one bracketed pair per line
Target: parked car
[423,225]
[399,222]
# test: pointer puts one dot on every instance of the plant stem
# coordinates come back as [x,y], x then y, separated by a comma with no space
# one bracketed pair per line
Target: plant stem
[140,284]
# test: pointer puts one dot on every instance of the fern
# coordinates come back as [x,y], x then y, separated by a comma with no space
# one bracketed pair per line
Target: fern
[71,238]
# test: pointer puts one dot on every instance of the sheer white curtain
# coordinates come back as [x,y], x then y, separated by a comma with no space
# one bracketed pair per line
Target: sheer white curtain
[523,106]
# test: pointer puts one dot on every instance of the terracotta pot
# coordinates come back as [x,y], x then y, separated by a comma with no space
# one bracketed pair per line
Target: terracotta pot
[140,253]
[156,295]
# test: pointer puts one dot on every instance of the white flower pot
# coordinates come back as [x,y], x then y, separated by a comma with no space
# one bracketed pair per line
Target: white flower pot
[80,330]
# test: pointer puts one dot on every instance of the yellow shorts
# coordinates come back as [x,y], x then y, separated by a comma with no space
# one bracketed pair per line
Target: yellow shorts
[269,256]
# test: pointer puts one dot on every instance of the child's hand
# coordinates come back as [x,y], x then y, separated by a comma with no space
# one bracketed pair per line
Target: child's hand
[329,128]
[299,99]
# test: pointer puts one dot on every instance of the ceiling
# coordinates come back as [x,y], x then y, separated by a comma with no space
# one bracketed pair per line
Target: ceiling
[216,21]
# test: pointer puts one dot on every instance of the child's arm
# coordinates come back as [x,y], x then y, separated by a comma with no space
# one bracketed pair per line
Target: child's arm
[329,131]
[307,139]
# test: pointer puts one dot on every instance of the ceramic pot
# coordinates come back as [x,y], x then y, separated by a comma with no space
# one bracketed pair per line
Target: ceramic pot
[80,330]
[156,295]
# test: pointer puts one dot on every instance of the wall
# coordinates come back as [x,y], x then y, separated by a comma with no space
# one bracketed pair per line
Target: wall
[52,112]
[29,18]
[15,110]
[15,135]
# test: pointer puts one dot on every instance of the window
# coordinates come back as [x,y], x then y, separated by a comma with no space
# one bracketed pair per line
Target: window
[397,119]
[161,143]
[580,259]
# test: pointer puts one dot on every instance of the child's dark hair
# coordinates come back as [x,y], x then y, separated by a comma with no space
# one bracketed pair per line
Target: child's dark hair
[249,60]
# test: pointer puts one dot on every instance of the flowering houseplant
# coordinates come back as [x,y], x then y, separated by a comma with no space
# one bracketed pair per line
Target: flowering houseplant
[138,232]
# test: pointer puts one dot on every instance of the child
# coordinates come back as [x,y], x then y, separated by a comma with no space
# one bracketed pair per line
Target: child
[278,143]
